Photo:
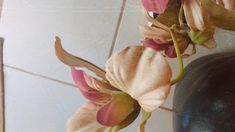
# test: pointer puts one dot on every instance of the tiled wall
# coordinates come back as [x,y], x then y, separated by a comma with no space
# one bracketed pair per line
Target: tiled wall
[39,92]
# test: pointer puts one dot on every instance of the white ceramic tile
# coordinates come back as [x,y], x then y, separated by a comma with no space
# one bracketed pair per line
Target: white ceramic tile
[1,1]
[34,104]
[129,35]
[30,27]
[160,121]
[225,40]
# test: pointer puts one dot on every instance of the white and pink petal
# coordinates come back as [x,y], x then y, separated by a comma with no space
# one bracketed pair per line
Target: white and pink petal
[84,120]
[88,92]
[117,110]
[141,72]
[156,6]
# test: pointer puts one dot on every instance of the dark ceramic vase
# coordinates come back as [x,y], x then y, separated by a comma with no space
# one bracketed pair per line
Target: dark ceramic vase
[204,100]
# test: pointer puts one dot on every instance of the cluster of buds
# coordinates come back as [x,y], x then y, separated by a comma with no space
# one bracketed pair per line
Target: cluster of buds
[138,78]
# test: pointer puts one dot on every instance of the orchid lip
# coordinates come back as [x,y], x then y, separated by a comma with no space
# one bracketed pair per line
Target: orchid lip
[117,110]
[88,92]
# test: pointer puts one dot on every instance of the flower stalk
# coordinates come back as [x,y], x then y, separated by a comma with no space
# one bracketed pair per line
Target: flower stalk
[179,58]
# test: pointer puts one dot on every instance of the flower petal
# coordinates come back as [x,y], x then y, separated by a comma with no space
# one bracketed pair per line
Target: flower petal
[170,52]
[100,85]
[157,6]
[155,33]
[171,14]
[131,117]
[90,93]
[85,120]
[210,43]
[155,44]
[193,14]
[117,110]
[183,44]
[220,16]
[228,4]
[72,60]
[141,72]
[197,18]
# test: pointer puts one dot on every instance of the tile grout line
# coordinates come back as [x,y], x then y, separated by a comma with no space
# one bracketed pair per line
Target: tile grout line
[39,75]
[59,81]
[117,28]
[2,90]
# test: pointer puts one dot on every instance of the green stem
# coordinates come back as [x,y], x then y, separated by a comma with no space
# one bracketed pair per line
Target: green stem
[179,58]
[181,14]
[115,129]
[145,118]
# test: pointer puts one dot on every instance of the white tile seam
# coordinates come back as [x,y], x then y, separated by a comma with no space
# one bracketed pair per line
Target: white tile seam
[39,75]
[117,28]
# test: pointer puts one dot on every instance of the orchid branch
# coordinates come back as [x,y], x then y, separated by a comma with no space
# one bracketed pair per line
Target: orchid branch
[179,58]
[145,117]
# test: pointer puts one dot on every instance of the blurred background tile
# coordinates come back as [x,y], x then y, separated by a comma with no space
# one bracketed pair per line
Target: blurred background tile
[129,33]
[1,1]
[34,104]
[30,26]
[39,92]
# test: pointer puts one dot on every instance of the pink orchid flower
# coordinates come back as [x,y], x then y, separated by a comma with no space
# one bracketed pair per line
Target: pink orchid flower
[114,106]
[156,6]
[116,98]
